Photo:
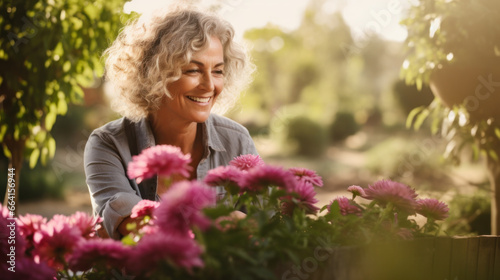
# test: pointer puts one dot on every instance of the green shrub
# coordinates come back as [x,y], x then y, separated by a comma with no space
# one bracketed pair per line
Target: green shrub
[343,126]
[308,135]
[469,214]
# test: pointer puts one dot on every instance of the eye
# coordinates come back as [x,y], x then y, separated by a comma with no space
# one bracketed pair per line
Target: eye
[192,71]
[218,72]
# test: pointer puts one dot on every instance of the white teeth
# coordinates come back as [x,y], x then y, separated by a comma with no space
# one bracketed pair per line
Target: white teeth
[199,99]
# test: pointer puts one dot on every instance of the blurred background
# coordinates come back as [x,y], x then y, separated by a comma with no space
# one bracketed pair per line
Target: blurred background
[327,95]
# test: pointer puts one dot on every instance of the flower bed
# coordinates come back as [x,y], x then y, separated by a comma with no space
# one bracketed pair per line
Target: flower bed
[283,235]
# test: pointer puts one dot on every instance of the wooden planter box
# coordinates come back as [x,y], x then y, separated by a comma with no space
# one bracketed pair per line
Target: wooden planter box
[441,258]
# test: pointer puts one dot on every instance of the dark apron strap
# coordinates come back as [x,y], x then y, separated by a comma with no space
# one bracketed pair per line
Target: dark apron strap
[147,187]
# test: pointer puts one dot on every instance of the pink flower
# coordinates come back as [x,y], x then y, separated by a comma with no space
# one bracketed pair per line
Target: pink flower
[259,178]
[156,250]
[356,191]
[86,223]
[346,206]
[107,253]
[246,162]
[387,191]
[55,241]
[307,175]
[227,176]
[303,197]
[8,226]
[29,224]
[144,208]
[163,160]
[181,207]
[26,268]
[432,209]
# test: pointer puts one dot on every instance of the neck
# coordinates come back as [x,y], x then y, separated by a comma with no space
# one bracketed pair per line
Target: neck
[175,133]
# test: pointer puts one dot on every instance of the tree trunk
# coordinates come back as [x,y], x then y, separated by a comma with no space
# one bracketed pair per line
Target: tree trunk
[494,177]
[16,148]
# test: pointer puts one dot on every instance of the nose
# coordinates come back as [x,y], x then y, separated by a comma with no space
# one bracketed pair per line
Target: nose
[207,82]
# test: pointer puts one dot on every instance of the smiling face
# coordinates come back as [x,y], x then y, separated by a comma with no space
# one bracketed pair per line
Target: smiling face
[201,81]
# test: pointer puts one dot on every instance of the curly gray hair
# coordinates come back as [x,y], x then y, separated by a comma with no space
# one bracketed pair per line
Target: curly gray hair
[150,51]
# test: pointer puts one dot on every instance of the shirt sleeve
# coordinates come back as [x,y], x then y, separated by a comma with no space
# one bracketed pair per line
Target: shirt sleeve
[111,192]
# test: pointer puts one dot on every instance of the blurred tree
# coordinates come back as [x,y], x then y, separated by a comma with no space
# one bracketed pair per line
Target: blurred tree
[49,50]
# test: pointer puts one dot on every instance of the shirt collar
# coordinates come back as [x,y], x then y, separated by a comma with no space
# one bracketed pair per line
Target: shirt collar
[212,136]
[146,139]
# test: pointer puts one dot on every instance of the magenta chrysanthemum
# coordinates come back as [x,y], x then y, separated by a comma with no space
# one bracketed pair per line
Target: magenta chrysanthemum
[86,223]
[8,226]
[387,191]
[163,160]
[55,241]
[304,198]
[224,176]
[106,253]
[154,250]
[259,178]
[246,162]
[26,268]
[346,206]
[29,224]
[356,190]
[432,209]
[144,208]
[181,207]
[304,174]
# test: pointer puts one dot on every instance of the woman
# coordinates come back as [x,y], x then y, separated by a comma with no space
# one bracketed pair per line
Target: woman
[168,73]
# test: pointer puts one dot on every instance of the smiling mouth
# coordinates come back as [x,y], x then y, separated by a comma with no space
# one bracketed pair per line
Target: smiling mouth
[199,99]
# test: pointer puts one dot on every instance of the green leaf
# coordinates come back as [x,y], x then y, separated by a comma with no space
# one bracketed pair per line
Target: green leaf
[497,132]
[3,129]
[242,254]
[51,116]
[6,151]
[131,226]
[492,154]
[44,155]
[412,114]
[420,119]
[34,157]
[335,210]
[62,106]
[128,240]
[419,83]
[51,145]
[66,66]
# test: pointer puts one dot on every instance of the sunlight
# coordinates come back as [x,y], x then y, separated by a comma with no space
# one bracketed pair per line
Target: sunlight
[363,16]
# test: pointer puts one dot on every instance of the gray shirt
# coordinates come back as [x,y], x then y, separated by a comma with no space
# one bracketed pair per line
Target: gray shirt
[107,155]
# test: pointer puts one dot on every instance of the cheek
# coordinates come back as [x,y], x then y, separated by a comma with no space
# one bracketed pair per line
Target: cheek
[219,86]
[180,86]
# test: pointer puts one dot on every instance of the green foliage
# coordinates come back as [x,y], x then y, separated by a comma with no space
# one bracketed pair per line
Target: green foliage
[343,126]
[318,66]
[49,50]
[441,31]
[469,214]
[308,135]
[459,131]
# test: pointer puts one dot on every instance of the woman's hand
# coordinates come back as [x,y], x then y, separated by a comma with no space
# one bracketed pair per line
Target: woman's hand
[122,227]
[237,215]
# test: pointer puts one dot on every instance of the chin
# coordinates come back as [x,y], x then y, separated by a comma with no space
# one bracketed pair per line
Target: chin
[201,118]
